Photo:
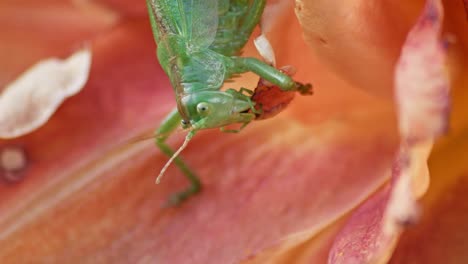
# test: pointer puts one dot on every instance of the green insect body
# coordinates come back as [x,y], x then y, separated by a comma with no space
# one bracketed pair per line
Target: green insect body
[198,43]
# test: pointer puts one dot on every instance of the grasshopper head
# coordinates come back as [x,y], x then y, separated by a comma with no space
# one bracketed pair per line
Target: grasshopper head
[212,109]
[209,109]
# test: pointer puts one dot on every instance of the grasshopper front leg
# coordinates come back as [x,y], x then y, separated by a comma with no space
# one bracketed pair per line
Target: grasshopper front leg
[240,95]
[240,65]
[167,127]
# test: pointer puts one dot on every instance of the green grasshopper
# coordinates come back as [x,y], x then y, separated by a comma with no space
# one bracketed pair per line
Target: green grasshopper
[198,46]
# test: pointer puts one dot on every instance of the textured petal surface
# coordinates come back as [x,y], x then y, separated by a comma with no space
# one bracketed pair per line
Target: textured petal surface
[423,100]
[421,80]
[440,235]
[332,40]
[282,191]
[87,196]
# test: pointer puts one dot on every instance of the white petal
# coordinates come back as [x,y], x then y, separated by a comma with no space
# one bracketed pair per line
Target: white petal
[265,49]
[29,101]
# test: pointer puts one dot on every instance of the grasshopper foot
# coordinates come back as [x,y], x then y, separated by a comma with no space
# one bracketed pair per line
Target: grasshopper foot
[177,199]
[304,89]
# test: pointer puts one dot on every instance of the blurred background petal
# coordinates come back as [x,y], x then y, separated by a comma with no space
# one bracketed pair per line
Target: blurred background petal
[100,196]
[280,191]
[314,23]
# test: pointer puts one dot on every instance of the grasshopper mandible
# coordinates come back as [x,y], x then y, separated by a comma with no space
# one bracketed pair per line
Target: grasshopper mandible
[198,46]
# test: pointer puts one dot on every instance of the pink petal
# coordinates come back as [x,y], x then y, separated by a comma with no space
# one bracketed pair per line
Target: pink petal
[440,235]
[423,100]
[421,81]
[362,239]
[422,96]
[84,197]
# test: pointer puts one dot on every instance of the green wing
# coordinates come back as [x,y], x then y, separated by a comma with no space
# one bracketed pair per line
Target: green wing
[201,21]
[195,20]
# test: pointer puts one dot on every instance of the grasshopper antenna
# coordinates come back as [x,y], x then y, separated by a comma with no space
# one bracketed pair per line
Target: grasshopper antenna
[184,145]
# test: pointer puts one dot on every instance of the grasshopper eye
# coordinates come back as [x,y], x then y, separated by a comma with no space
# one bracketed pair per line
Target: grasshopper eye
[203,108]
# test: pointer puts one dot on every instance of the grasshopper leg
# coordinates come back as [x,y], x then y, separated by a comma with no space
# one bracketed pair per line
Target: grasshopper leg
[240,95]
[245,90]
[304,89]
[269,73]
[265,71]
[248,117]
[167,127]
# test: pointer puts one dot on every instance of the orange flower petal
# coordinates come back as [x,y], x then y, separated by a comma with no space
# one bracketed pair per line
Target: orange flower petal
[422,89]
[30,32]
[359,40]
[124,7]
[439,236]
[86,197]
